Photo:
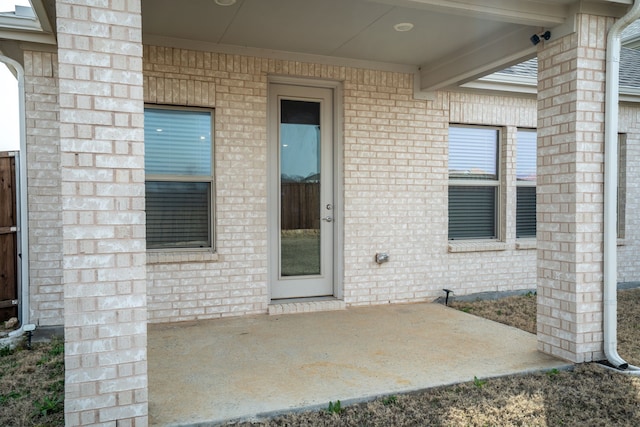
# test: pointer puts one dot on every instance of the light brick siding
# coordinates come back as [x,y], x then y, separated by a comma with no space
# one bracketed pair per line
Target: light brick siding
[103,221]
[395,188]
[44,199]
[394,177]
[570,192]
[512,267]
[628,259]
[196,285]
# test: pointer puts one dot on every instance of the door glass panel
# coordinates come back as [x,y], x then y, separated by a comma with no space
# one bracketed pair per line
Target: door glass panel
[299,188]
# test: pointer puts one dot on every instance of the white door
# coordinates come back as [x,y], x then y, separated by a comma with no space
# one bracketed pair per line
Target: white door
[301,191]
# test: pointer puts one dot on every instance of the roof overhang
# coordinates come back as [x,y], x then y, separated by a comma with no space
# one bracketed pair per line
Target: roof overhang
[507,49]
[452,42]
[30,24]
[629,94]
[528,86]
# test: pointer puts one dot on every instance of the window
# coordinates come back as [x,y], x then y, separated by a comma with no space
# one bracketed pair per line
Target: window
[179,178]
[473,182]
[622,184]
[526,183]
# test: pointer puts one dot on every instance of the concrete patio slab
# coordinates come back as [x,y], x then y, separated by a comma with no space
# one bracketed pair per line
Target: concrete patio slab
[241,368]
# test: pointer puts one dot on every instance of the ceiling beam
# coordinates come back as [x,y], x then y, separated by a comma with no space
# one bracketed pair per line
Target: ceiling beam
[525,12]
[495,54]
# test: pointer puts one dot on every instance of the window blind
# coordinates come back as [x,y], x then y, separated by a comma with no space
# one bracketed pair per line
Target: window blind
[526,155]
[473,155]
[526,158]
[177,214]
[622,185]
[178,154]
[177,142]
[472,212]
[526,212]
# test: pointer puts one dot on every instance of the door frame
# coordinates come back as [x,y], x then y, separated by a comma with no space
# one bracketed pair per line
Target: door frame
[338,178]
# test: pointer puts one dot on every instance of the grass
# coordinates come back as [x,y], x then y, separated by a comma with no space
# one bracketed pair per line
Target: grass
[300,252]
[589,395]
[32,385]
[517,311]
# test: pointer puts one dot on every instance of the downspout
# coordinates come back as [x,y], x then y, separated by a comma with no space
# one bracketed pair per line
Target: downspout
[21,195]
[610,189]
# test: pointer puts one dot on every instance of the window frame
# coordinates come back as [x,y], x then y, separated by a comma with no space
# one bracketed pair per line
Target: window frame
[520,184]
[496,183]
[210,179]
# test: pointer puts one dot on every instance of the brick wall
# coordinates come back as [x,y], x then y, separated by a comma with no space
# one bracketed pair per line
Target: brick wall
[395,187]
[44,199]
[103,232]
[570,192]
[394,165]
[231,281]
[511,264]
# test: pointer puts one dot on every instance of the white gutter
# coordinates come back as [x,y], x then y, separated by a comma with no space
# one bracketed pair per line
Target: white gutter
[610,190]
[21,196]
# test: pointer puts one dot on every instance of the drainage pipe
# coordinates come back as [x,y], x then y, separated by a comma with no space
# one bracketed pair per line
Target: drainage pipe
[611,189]
[21,196]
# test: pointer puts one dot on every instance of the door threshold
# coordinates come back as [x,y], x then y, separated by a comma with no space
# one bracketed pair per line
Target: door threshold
[305,305]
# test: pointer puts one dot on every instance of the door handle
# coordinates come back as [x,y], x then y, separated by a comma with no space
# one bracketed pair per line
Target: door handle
[327,218]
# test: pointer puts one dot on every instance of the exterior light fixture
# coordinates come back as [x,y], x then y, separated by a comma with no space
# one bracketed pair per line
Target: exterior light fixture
[535,39]
[225,2]
[403,27]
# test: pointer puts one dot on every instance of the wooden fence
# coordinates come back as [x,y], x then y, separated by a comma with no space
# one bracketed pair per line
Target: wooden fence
[300,205]
[8,236]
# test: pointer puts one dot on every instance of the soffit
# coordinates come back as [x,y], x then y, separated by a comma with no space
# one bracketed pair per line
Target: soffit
[452,41]
[354,29]
[26,20]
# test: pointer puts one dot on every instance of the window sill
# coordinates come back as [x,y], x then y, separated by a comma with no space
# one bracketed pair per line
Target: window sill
[476,246]
[620,242]
[158,257]
[526,243]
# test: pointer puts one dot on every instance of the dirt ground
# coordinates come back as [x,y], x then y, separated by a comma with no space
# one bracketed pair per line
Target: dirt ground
[32,387]
[589,395]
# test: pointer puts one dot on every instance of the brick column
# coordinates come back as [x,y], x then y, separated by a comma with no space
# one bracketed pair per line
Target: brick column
[570,191]
[43,179]
[102,177]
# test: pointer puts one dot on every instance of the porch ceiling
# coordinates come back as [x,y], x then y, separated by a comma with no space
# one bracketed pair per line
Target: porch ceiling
[452,41]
